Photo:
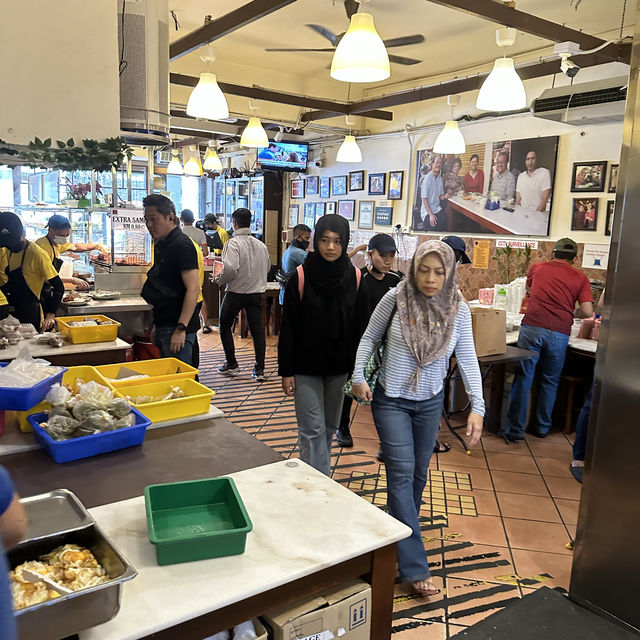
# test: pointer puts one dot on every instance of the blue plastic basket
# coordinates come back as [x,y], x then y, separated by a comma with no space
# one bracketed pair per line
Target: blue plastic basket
[88,446]
[25,398]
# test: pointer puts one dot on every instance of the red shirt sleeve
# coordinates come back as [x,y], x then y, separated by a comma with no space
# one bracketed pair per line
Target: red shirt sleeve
[585,295]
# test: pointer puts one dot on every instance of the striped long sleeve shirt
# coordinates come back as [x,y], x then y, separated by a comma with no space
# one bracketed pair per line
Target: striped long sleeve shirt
[398,363]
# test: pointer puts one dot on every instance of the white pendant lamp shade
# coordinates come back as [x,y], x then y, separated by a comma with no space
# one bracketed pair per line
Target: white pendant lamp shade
[211,160]
[193,167]
[175,165]
[450,139]
[207,99]
[254,134]
[349,151]
[361,55]
[502,90]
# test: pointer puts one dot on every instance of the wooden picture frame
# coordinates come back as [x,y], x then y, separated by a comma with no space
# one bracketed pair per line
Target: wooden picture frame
[356,180]
[611,205]
[338,186]
[297,189]
[365,214]
[613,178]
[396,180]
[325,188]
[588,177]
[294,214]
[347,209]
[585,214]
[377,184]
[311,185]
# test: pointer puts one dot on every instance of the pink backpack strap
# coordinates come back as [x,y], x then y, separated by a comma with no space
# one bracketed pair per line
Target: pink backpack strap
[300,281]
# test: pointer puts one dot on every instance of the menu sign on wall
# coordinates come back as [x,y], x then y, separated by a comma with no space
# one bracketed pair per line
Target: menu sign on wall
[131,242]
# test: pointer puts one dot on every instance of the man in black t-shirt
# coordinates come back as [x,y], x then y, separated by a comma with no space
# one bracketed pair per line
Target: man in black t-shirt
[172,285]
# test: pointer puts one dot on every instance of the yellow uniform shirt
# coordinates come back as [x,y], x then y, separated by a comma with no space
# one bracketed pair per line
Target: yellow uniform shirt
[37,267]
[224,238]
[200,266]
[55,250]
[3,299]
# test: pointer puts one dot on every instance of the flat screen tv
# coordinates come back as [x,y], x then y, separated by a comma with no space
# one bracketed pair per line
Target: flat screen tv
[284,156]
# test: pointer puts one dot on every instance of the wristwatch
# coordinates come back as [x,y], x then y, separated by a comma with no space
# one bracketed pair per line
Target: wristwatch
[181,327]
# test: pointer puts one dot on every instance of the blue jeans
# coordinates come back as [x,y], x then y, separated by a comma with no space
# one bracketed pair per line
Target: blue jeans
[580,443]
[552,347]
[407,431]
[162,340]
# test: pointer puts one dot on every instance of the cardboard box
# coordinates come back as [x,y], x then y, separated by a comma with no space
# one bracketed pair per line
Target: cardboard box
[489,331]
[344,613]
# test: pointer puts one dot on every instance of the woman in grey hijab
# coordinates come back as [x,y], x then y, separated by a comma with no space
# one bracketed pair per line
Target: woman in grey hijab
[425,321]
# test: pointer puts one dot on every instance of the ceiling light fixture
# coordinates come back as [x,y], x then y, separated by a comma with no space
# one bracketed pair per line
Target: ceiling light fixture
[450,139]
[207,100]
[175,166]
[211,160]
[502,90]
[193,166]
[360,55]
[349,150]
[254,134]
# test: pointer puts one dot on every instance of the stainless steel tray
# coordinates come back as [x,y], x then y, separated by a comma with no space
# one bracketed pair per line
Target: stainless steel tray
[80,610]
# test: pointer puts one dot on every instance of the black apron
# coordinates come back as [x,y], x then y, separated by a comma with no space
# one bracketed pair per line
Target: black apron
[26,305]
[47,290]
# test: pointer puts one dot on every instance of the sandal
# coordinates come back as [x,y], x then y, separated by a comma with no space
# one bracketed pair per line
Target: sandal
[207,329]
[425,588]
[441,447]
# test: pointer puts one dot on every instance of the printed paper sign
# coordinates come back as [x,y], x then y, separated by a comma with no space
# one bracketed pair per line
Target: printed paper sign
[517,244]
[407,245]
[481,251]
[595,256]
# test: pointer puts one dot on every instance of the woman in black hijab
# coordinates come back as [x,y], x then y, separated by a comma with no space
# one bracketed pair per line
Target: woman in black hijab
[322,322]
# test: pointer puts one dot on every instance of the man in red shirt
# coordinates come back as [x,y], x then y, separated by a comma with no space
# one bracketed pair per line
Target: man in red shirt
[554,288]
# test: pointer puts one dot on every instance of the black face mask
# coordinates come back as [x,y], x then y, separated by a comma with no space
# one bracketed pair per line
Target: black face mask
[12,242]
[302,244]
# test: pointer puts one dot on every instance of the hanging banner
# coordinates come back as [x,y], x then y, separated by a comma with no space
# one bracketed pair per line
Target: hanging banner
[481,254]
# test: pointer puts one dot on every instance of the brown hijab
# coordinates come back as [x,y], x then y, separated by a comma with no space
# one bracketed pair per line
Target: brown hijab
[427,323]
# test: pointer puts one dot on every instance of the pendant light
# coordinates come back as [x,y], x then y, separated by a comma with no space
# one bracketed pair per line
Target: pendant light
[207,100]
[349,150]
[502,90]
[450,139]
[211,160]
[175,166]
[360,55]
[193,166]
[254,134]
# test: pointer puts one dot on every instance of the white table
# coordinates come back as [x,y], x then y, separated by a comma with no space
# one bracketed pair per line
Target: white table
[309,532]
[123,304]
[522,221]
[76,353]
[579,344]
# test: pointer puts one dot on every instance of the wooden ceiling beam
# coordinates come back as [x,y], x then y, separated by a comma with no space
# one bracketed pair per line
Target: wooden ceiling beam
[191,126]
[503,14]
[268,95]
[226,24]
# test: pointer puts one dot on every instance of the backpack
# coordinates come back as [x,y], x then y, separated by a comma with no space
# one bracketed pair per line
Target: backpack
[300,271]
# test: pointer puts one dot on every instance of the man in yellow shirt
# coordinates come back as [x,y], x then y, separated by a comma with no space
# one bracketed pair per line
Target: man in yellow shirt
[217,237]
[57,241]
[24,270]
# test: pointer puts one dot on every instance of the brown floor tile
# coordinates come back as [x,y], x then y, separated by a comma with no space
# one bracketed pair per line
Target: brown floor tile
[564,487]
[459,458]
[571,528]
[536,536]
[554,467]
[525,483]
[551,449]
[480,478]
[533,563]
[514,505]
[363,430]
[370,446]
[555,436]
[568,510]
[486,530]
[486,504]
[426,631]
[478,562]
[475,591]
[492,443]
[510,462]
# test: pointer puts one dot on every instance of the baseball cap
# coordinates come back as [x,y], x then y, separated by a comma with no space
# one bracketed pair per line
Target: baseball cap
[10,223]
[211,217]
[58,222]
[383,243]
[566,245]
[457,244]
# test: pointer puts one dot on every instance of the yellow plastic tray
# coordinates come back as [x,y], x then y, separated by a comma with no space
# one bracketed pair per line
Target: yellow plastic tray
[84,335]
[197,399]
[160,370]
[85,373]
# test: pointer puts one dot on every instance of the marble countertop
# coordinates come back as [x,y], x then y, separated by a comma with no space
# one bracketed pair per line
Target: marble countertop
[579,344]
[302,522]
[44,350]
[123,303]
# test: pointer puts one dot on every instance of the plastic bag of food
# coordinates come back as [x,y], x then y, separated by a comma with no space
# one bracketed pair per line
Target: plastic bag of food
[81,409]
[58,395]
[26,371]
[60,427]
[99,421]
[9,324]
[27,330]
[60,410]
[127,421]
[118,408]
[95,393]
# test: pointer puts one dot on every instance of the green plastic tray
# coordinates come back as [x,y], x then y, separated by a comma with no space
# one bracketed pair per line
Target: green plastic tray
[195,520]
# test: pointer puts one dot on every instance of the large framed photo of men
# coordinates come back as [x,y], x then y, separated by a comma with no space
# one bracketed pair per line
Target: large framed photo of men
[499,188]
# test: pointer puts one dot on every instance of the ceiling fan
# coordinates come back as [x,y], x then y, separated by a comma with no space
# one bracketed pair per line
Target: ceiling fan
[351,7]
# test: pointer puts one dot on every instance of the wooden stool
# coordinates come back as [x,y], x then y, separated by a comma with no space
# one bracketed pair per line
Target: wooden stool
[571,383]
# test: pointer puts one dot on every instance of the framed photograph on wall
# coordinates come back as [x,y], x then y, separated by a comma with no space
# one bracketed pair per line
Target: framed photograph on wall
[356,180]
[585,214]
[613,178]
[320,209]
[325,185]
[294,213]
[365,215]
[312,185]
[330,208]
[396,178]
[609,225]
[377,184]
[384,213]
[338,186]
[297,189]
[347,208]
[589,176]
[309,214]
